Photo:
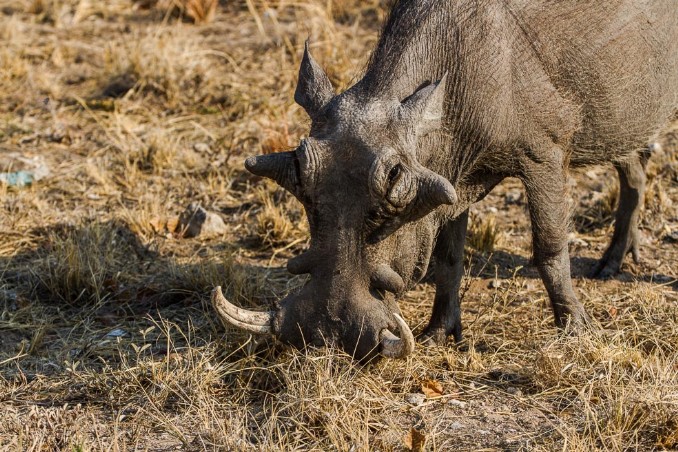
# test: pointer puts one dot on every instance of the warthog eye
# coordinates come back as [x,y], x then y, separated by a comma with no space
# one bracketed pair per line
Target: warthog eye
[394,173]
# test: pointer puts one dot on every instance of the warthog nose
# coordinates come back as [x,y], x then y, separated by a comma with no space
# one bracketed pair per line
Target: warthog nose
[385,278]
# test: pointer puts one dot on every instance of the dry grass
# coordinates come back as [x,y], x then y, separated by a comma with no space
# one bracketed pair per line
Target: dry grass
[107,341]
[279,220]
[201,11]
[482,234]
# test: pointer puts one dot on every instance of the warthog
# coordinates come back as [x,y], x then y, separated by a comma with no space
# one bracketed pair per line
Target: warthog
[458,95]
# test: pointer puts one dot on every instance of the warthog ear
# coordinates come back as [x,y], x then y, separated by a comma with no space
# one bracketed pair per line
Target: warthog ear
[426,107]
[314,88]
[279,167]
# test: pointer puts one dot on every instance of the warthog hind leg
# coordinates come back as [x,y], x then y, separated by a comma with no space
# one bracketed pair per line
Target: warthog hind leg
[631,193]
[545,180]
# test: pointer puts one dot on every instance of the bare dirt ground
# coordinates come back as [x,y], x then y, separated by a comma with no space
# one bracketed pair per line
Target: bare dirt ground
[107,341]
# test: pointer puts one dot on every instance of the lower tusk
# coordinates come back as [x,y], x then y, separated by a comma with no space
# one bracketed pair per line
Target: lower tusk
[254,322]
[397,347]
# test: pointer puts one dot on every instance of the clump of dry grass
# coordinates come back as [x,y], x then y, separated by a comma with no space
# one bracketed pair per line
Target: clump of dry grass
[240,283]
[348,11]
[199,11]
[64,13]
[325,399]
[84,264]
[600,208]
[483,234]
[619,386]
[35,429]
[166,62]
[279,221]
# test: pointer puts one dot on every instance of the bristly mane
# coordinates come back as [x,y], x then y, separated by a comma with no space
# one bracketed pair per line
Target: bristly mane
[404,17]
[420,41]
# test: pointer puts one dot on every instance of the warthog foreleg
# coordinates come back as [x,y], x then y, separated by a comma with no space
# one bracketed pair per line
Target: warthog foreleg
[449,269]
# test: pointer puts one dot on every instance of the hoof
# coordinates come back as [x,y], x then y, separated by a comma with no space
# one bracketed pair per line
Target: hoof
[432,337]
[576,323]
[611,262]
[606,269]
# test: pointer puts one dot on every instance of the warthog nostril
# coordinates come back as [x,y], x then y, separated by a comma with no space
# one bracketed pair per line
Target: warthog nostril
[385,278]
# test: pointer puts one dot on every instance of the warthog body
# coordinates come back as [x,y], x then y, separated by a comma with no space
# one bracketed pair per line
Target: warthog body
[457,96]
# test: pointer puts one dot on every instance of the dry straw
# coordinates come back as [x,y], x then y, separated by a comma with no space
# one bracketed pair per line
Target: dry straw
[107,341]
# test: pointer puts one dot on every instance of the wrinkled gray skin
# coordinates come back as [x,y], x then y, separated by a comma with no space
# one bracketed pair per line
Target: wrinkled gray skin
[457,96]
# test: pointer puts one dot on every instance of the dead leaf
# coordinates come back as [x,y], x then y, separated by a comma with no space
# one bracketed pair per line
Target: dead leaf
[612,311]
[415,440]
[201,11]
[158,224]
[173,224]
[432,389]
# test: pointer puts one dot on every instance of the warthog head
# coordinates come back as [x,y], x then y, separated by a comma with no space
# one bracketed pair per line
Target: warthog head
[365,195]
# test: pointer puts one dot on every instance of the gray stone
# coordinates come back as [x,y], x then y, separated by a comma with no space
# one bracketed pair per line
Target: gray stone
[457,403]
[415,399]
[196,221]
[202,148]
[513,196]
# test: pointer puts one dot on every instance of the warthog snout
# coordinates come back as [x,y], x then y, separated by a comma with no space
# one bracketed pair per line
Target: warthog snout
[354,325]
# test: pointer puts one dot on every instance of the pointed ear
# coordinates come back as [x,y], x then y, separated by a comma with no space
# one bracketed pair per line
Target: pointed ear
[314,88]
[426,107]
[279,167]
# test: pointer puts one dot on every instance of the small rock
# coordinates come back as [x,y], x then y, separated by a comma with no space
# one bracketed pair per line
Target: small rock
[455,426]
[415,399]
[671,237]
[8,295]
[513,196]
[592,174]
[495,284]
[202,148]
[196,221]
[655,147]
[20,171]
[492,209]
[457,403]
[515,391]
[576,241]
[118,332]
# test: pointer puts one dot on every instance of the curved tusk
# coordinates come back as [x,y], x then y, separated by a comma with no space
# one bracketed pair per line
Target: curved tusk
[397,347]
[254,322]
